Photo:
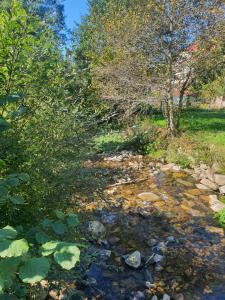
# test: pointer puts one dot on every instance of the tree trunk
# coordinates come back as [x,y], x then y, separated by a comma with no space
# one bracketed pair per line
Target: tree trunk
[171,124]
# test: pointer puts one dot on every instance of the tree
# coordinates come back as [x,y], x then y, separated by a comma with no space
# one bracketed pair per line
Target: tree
[143,52]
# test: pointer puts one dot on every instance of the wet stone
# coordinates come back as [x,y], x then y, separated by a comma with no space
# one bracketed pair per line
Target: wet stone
[96,229]
[113,240]
[166,297]
[105,254]
[109,218]
[148,196]
[179,297]
[152,242]
[139,296]
[133,260]
[158,258]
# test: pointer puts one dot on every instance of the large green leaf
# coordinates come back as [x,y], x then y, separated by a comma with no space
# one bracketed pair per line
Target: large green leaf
[8,268]
[17,200]
[49,247]
[59,227]
[13,248]
[60,215]
[24,177]
[4,125]
[67,256]
[41,237]
[13,181]
[9,99]
[8,232]
[72,220]
[34,270]
[3,191]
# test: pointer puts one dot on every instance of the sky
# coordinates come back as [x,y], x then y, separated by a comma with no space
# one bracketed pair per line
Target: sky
[74,10]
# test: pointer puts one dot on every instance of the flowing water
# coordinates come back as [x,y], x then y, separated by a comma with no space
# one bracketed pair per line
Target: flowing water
[180,218]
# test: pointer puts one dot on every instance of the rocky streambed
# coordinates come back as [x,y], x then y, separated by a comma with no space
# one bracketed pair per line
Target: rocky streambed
[152,234]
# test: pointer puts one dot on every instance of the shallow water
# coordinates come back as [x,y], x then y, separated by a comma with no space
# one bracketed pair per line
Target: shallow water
[195,261]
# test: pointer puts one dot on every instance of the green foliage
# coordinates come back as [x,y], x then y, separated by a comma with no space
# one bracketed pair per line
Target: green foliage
[67,256]
[25,259]
[34,270]
[220,217]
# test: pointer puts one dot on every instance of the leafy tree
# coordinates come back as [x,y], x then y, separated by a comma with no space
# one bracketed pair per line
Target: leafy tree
[141,52]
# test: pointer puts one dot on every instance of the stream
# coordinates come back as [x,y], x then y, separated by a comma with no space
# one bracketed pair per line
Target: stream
[164,217]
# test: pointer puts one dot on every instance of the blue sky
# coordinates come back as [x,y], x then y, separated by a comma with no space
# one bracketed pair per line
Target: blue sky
[74,10]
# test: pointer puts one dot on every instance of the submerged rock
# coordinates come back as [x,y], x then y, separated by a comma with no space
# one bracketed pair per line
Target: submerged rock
[139,296]
[105,254]
[158,258]
[166,297]
[96,229]
[133,260]
[109,218]
[179,297]
[152,242]
[148,196]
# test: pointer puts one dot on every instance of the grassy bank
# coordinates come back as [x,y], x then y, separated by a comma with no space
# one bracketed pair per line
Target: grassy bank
[202,138]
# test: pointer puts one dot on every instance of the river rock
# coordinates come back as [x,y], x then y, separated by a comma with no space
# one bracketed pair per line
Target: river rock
[139,296]
[209,184]
[105,254]
[166,297]
[184,182]
[148,196]
[158,268]
[215,204]
[152,242]
[179,297]
[162,247]
[113,240]
[109,218]
[96,229]
[222,189]
[167,167]
[219,179]
[170,239]
[158,258]
[202,187]
[133,260]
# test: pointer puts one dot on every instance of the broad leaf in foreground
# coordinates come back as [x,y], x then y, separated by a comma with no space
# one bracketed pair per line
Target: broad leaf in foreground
[8,232]
[34,270]
[67,256]
[13,248]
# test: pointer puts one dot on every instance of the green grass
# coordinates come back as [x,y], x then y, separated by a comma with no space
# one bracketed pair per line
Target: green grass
[202,138]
